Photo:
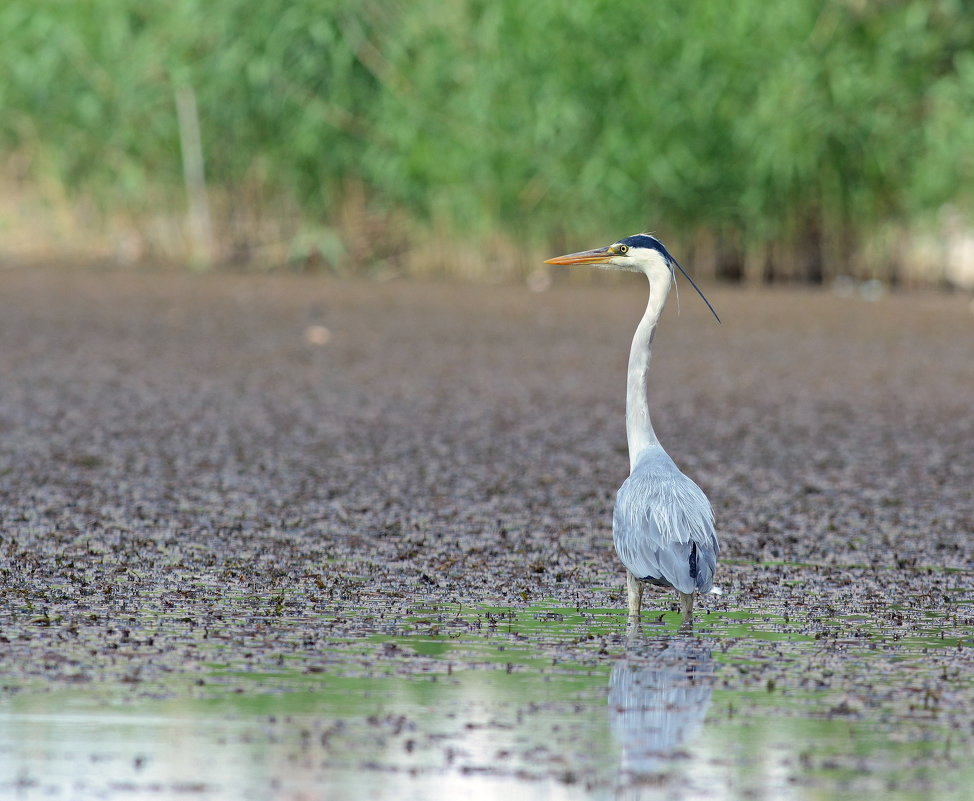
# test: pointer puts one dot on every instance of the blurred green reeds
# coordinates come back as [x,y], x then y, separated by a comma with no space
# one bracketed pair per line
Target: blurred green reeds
[762,140]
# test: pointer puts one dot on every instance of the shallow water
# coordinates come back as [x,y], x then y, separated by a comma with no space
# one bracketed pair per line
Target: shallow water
[538,702]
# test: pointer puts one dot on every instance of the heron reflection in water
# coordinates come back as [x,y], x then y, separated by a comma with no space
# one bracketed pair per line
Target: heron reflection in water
[658,698]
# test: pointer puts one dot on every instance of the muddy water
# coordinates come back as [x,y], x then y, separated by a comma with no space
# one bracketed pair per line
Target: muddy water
[292,538]
[543,702]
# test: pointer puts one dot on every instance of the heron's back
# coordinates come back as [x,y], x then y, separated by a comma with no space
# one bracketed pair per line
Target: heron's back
[663,526]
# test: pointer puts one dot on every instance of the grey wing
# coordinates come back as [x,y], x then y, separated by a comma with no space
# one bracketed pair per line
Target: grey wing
[663,528]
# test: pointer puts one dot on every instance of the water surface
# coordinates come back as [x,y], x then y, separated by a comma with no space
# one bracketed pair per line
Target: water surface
[537,702]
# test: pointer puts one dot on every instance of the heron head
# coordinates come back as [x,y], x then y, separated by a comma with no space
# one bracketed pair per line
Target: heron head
[641,253]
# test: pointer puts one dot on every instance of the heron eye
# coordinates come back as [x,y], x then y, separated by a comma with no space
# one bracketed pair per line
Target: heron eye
[623,249]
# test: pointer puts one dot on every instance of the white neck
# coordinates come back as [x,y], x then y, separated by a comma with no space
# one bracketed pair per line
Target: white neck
[639,428]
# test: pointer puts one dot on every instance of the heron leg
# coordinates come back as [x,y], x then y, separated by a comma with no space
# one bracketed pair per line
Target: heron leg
[634,588]
[686,609]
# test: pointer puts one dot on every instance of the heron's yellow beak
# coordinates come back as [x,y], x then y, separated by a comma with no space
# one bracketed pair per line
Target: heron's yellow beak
[597,256]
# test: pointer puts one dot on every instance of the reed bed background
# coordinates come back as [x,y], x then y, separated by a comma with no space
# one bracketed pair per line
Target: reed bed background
[764,142]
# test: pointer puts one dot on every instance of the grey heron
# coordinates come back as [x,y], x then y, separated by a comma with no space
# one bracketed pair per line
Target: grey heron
[663,524]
